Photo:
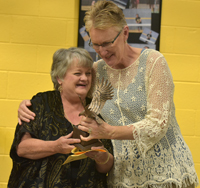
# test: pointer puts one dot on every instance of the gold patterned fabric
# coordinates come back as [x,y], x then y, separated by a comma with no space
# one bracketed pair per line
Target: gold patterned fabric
[48,172]
[143,99]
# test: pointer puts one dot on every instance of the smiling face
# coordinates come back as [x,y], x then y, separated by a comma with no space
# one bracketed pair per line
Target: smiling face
[77,81]
[114,55]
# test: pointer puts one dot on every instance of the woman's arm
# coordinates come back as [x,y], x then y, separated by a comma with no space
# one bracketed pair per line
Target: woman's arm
[24,114]
[160,90]
[148,131]
[33,148]
[104,131]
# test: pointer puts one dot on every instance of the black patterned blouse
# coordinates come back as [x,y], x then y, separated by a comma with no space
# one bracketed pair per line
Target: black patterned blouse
[48,172]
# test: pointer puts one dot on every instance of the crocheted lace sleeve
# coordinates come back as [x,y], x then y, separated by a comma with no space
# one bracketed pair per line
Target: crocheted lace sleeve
[160,88]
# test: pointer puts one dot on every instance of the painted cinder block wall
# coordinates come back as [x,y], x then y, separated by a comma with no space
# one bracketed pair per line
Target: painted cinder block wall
[31,31]
[180,44]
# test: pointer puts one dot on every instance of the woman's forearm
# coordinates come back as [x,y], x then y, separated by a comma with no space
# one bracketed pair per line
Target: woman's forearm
[35,149]
[120,132]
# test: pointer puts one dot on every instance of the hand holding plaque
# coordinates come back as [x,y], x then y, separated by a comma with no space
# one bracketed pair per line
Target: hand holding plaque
[103,92]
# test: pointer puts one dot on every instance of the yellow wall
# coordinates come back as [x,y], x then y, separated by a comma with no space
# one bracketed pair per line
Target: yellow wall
[31,31]
[180,44]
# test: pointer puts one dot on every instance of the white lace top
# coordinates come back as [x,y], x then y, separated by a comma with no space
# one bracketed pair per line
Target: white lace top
[143,98]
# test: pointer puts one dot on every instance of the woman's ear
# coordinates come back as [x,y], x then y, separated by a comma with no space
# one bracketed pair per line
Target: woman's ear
[59,80]
[126,32]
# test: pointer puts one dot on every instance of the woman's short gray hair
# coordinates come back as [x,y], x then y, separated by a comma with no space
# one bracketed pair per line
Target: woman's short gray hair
[63,58]
[103,15]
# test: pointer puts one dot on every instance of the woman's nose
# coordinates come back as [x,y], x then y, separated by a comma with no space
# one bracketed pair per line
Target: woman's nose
[102,51]
[83,77]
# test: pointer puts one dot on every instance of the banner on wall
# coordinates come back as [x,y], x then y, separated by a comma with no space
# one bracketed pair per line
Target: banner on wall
[142,16]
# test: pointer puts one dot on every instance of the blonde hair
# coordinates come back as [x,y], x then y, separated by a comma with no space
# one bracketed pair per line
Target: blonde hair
[63,58]
[103,15]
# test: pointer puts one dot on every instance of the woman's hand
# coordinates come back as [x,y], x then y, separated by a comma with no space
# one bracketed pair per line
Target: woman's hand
[24,114]
[95,130]
[64,144]
[95,155]
[104,160]
[104,130]
[33,148]
[98,156]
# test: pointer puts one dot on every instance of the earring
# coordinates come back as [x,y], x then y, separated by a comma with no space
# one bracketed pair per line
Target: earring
[60,88]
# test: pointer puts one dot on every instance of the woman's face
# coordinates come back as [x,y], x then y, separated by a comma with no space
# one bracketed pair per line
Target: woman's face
[77,80]
[114,54]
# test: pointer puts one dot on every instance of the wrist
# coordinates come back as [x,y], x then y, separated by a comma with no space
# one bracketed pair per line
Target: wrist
[54,147]
[105,161]
[110,132]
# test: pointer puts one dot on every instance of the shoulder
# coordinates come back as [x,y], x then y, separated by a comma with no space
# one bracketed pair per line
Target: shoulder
[153,52]
[152,58]
[98,64]
[150,53]
[46,94]
[45,98]
[156,62]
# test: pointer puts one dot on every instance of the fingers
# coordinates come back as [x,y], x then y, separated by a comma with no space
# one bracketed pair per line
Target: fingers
[67,149]
[88,130]
[69,135]
[27,102]
[86,138]
[24,114]
[19,121]
[83,128]
[96,155]
[24,117]
[71,140]
[27,113]
[88,124]
[70,148]
[86,120]
[98,147]
[92,154]
[65,144]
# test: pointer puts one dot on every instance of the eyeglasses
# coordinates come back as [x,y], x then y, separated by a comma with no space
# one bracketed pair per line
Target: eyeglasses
[105,45]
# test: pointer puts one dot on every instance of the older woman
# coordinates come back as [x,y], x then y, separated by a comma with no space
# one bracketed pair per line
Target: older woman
[41,146]
[149,150]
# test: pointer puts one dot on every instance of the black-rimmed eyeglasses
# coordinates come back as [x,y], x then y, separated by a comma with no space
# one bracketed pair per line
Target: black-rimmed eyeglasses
[105,45]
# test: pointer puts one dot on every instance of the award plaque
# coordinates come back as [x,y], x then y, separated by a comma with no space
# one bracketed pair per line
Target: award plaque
[84,146]
[103,92]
